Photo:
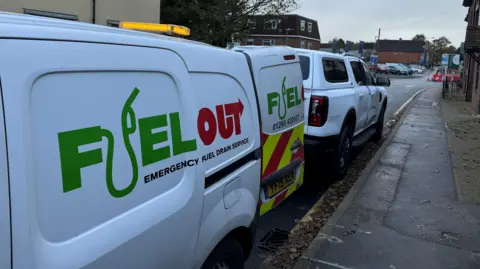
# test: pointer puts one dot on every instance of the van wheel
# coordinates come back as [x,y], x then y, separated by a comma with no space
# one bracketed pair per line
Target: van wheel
[227,255]
[343,153]
[377,136]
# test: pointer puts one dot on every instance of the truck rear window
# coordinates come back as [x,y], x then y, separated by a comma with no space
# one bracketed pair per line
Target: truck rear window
[335,70]
[305,66]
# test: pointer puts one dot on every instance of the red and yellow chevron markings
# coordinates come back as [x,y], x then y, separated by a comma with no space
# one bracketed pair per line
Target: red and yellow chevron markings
[276,155]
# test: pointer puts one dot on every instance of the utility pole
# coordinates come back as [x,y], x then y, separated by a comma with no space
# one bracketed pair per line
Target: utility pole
[378,38]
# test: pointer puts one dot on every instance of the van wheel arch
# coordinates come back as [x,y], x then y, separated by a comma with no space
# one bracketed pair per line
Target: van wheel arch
[244,237]
[228,253]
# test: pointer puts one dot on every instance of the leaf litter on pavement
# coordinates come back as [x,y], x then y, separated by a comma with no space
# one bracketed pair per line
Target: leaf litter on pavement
[306,230]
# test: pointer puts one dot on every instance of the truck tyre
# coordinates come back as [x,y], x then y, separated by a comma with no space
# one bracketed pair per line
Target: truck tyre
[343,153]
[227,255]
[379,125]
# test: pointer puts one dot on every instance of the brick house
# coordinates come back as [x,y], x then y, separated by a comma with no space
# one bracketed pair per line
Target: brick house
[368,48]
[399,51]
[471,75]
[291,30]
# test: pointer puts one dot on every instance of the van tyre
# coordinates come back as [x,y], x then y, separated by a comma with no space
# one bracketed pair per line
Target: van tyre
[343,153]
[227,255]
[377,136]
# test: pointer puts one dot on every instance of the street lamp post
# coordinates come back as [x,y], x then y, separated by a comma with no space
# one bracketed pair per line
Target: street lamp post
[433,54]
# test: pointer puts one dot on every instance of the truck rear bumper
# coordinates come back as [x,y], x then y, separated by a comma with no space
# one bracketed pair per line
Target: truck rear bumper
[320,146]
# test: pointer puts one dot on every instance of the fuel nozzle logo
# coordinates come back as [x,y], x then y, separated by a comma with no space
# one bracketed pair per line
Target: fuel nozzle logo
[290,97]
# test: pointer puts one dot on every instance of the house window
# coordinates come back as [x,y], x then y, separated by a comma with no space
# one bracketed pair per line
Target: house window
[113,23]
[249,41]
[49,14]
[302,44]
[268,42]
[395,53]
[251,23]
[309,45]
[309,27]
[271,24]
[302,25]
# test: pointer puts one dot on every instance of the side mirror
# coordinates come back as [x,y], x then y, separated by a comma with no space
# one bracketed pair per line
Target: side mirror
[383,81]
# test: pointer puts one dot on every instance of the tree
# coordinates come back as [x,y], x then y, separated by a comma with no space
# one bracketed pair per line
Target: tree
[340,44]
[217,21]
[451,49]
[439,47]
[419,37]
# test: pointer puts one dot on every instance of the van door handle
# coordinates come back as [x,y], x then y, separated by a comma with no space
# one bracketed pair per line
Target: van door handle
[296,144]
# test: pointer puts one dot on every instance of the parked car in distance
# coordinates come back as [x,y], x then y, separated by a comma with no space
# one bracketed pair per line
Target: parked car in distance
[417,69]
[374,68]
[383,68]
[378,68]
[396,69]
[409,70]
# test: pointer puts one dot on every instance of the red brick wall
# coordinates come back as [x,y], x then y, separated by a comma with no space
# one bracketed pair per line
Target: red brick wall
[399,57]
[472,69]
[293,42]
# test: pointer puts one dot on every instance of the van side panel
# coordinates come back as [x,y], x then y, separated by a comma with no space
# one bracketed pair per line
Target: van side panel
[5,243]
[105,161]
[230,154]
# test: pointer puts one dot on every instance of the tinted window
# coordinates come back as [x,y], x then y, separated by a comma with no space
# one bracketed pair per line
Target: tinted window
[368,76]
[335,70]
[305,66]
[358,72]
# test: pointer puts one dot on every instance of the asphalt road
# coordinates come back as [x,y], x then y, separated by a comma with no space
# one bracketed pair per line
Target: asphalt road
[298,204]
[401,89]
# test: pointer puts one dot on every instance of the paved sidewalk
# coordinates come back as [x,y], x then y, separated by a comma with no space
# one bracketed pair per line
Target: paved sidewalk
[405,214]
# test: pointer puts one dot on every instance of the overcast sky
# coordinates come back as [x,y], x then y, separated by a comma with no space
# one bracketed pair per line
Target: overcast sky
[356,20]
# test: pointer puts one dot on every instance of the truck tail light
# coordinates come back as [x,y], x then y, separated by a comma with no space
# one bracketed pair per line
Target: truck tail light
[318,111]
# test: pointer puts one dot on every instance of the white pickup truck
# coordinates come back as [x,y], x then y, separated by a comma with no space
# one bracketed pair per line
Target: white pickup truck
[124,149]
[344,106]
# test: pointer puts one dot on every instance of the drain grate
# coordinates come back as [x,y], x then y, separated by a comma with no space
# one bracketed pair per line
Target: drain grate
[271,241]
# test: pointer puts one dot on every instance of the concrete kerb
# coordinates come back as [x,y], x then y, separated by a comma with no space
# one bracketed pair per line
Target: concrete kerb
[328,227]
[407,103]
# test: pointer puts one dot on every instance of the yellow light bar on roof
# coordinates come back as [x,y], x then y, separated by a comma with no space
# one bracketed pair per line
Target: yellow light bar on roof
[156,27]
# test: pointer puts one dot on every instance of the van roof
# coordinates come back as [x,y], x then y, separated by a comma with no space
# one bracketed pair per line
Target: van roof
[196,55]
[35,27]
[266,50]
[320,53]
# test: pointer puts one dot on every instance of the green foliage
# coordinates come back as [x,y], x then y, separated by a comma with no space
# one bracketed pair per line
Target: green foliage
[419,37]
[217,21]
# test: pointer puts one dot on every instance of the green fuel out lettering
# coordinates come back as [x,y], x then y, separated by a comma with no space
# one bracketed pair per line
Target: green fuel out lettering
[72,161]
[289,98]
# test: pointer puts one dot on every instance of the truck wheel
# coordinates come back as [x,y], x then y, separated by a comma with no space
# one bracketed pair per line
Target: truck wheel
[343,153]
[379,125]
[227,255]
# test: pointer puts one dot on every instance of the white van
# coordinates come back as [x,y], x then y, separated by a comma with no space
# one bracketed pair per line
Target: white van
[123,149]
[282,122]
